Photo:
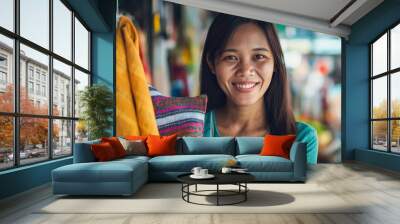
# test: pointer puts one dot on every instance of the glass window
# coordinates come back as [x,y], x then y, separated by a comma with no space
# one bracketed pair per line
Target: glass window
[62,137]
[379,56]
[7,14]
[6,82]
[81,45]
[3,78]
[43,90]
[30,87]
[385,125]
[395,136]
[379,98]
[40,61]
[30,72]
[395,47]
[81,131]
[62,29]
[34,79]
[62,74]
[33,139]
[81,81]
[6,142]
[37,89]
[35,21]
[3,60]
[395,95]
[379,133]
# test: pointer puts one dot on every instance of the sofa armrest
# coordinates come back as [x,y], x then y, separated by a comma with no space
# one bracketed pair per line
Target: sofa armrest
[298,155]
[83,152]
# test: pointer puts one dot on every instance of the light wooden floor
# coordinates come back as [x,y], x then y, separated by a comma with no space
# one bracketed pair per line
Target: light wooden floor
[380,189]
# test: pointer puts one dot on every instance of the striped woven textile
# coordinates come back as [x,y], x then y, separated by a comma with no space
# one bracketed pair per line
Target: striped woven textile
[183,116]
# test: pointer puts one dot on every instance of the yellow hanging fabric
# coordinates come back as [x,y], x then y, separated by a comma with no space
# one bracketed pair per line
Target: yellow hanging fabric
[135,113]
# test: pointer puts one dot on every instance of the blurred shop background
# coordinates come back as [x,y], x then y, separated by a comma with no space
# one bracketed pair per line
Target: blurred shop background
[172,38]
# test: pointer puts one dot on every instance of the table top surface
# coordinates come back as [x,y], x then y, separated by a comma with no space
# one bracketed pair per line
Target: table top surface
[220,178]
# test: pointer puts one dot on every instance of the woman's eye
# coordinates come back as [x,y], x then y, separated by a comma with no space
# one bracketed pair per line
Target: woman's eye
[260,57]
[230,58]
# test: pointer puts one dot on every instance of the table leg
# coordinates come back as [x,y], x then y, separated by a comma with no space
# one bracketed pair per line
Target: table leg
[245,191]
[196,188]
[217,194]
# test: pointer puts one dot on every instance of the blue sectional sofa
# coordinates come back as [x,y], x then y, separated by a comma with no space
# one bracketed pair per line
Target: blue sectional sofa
[125,176]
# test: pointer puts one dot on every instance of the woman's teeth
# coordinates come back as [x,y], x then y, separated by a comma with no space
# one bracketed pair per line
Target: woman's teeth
[245,86]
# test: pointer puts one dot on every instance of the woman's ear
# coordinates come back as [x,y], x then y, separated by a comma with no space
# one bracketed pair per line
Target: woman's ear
[211,65]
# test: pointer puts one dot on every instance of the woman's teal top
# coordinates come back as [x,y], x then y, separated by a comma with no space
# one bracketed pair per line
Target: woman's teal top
[305,133]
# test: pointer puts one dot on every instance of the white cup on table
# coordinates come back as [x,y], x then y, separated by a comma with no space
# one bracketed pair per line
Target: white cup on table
[203,172]
[196,171]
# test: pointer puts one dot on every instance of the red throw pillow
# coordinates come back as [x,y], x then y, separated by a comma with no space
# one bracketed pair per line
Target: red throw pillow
[161,145]
[103,151]
[116,145]
[277,145]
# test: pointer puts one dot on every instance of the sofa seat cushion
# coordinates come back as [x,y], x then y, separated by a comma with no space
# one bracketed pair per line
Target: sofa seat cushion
[185,163]
[257,163]
[112,171]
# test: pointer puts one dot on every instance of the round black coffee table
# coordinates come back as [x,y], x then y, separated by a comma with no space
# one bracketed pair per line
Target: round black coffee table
[238,179]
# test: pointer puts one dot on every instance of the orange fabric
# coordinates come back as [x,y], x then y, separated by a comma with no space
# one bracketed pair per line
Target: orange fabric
[134,108]
[103,151]
[116,145]
[161,145]
[277,145]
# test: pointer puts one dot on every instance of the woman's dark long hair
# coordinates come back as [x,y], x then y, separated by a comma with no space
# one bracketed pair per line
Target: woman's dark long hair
[277,100]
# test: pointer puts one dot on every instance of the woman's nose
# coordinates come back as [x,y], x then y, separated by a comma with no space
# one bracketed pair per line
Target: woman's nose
[246,68]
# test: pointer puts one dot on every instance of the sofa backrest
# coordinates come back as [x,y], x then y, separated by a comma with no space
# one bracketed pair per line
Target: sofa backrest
[83,152]
[249,145]
[207,145]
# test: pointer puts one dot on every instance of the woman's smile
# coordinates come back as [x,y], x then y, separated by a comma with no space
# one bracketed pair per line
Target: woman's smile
[245,86]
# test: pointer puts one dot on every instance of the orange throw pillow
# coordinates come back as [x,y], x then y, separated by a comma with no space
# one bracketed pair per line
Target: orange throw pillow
[116,145]
[161,145]
[277,145]
[103,152]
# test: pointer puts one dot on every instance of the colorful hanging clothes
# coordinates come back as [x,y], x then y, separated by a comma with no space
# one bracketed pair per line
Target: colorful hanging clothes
[134,112]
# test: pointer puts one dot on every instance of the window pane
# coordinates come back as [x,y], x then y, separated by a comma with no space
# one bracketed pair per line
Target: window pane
[62,141]
[62,89]
[379,97]
[35,21]
[34,72]
[6,142]
[395,94]
[6,74]
[395,47]
[395,136]
[81,45]
[7,14]
[379,135]
[379,55]
[81,81]
[81,131]
[62,29]
[33,139]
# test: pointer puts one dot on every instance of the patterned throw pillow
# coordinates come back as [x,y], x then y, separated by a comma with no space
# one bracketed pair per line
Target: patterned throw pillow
[183,116]
[134,147]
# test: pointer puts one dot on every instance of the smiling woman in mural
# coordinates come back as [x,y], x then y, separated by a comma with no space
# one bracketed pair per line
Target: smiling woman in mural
[244,76]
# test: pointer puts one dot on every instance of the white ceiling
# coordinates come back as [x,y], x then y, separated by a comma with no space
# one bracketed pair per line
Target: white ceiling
[315,15]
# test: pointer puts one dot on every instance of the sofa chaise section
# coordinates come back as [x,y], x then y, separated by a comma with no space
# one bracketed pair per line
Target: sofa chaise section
[87,177]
